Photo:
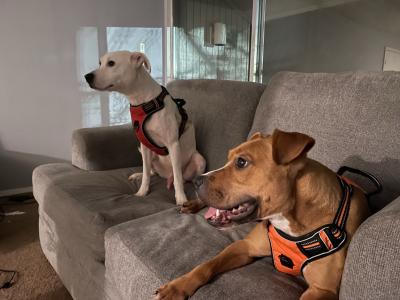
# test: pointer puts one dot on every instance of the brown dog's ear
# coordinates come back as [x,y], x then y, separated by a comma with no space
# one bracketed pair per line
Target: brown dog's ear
[287,146]
[139,59]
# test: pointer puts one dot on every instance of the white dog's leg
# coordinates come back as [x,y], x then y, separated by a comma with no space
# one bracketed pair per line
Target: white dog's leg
[146,156]
[195,167]
[175,154]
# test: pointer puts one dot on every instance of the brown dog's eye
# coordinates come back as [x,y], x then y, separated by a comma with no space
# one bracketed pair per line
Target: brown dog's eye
[110,63]
[241,163]
[99,63]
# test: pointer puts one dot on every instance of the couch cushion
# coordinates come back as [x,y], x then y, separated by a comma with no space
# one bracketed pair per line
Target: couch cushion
[354,117]
[83,204]
[142,255]
[222,112]
[372,265]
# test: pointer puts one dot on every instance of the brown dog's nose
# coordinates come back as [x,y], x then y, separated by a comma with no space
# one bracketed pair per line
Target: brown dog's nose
[89,78]
[198,181]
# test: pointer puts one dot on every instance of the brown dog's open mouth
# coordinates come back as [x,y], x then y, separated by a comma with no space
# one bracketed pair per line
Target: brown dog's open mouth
[221,217]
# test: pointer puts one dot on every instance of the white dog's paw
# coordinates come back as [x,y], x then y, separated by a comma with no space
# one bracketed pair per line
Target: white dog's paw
[135,176]
[180,199]
[142,192]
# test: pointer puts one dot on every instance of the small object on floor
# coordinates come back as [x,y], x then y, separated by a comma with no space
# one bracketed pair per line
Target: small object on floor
[9,281]
[13,213]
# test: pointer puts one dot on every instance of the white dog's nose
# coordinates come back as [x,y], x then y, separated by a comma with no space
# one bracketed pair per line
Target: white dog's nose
[89,78]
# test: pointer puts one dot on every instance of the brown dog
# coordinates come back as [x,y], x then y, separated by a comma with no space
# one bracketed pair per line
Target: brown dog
[270,178]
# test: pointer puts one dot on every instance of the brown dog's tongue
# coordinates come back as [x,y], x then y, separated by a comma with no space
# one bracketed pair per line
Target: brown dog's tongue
[210,212]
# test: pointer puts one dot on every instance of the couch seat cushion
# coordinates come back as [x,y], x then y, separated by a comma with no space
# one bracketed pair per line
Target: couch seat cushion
[142,255]
[83,204]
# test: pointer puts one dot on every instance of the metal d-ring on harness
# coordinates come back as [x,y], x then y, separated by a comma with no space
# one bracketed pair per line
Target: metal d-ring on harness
[141,113]
[291,254]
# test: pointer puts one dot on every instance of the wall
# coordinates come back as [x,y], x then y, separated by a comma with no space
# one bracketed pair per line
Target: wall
[345,37]
[41,93]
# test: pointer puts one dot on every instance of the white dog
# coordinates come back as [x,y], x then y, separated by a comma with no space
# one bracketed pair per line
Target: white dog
[165,129]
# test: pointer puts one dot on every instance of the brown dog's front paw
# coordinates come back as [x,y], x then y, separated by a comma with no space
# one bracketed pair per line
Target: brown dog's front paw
[192,206]
[170,291]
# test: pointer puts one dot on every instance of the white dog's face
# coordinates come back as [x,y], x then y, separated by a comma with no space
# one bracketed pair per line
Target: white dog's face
[117,71]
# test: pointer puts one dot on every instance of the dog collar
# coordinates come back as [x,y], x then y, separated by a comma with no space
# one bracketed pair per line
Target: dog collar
[291,254]
[141,113]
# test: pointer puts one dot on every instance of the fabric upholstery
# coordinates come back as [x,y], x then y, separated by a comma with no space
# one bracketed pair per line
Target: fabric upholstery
[84,204]
[174,244]
[105,148]
[372,270]
[82,276]
[354,118]
[222,113]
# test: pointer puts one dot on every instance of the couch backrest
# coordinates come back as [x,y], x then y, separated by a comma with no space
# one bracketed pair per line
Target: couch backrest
[354,117]
[222,112]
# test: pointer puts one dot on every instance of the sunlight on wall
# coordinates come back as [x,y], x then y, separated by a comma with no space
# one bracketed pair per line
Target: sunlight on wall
[87,59]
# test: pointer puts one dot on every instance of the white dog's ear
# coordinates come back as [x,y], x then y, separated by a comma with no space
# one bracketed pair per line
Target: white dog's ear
[139,59]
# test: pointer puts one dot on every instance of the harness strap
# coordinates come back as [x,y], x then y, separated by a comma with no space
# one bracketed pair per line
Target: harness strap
[154,105]
[344,206]
[184,116]
[141,113]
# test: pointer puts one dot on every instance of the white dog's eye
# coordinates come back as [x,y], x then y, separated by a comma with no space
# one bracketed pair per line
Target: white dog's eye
[110,63]
[99,63]
[241,163]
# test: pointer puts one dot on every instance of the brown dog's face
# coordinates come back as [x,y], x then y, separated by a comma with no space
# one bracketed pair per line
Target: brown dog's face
[257,180]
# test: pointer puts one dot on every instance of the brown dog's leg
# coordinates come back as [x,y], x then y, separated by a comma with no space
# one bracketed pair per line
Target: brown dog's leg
[192,206]
[235,255]
[313,293]
[323,277]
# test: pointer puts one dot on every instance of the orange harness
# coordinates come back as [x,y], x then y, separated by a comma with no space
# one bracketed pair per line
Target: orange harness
[292,254]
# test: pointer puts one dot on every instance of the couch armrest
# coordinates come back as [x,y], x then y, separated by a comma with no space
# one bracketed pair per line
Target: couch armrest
[105,148]
[372,269]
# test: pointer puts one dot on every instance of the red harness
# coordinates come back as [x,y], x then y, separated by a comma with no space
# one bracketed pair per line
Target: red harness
[291,254]
[141,113]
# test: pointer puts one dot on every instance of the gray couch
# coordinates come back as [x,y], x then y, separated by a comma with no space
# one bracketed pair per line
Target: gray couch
[106,243]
